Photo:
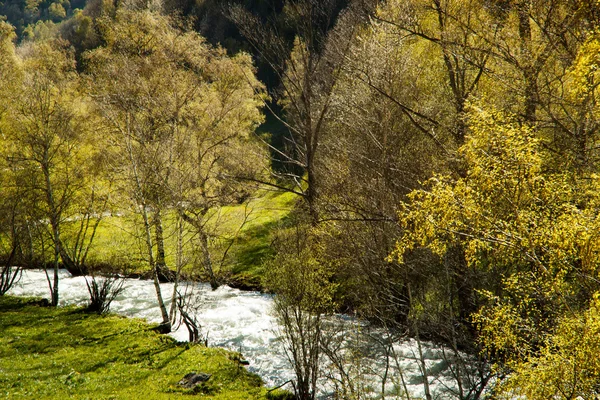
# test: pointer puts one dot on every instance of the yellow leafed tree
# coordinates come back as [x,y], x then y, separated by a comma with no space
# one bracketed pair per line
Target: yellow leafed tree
[536,231]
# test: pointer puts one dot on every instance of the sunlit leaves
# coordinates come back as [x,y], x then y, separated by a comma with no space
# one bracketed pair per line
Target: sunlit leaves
[567,366]
[505,204]
[537,230]
[178,108]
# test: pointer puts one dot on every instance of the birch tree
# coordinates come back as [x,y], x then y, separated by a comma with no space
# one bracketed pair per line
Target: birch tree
[179,113]
[48,144]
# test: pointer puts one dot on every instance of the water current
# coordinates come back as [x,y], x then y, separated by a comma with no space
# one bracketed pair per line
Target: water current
[243,321]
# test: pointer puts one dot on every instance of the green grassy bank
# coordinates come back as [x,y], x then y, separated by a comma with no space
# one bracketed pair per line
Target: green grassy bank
[240,239]
[65,353]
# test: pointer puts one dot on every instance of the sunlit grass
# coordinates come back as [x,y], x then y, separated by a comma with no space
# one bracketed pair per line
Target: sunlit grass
[260,217]
[49,353]
[240,239]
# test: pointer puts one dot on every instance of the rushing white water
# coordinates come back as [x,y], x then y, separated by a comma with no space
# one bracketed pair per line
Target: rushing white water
[242,321]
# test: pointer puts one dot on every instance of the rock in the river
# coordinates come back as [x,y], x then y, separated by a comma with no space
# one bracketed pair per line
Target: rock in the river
[193,379]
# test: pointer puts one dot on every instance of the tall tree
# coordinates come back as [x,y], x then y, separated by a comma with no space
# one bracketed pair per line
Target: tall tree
[47,140]
[449,30]
[307,70]
[179,113]
[11,210]
[533,229]
[532,52]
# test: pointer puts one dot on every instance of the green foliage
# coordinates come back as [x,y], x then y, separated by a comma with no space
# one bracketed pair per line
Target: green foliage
[9,68]
[585,68]
[180,113]
[49,148]
[305,293]
[57,11]
[515,324]
[30,15]
[65,353]
[184,109]
[299,276]
[502,242]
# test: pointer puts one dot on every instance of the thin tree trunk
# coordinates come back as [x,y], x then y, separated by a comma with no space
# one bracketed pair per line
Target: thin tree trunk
[529,72]
[161,263]
[55,225]
[311,195]
[179,266]
[422,365]
[208,267]
[9,273]
[203,237]
[166,324]
[55,283]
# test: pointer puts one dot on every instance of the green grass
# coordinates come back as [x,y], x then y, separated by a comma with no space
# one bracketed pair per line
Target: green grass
[49,353]
[244,231]
[115,244]
[262,215]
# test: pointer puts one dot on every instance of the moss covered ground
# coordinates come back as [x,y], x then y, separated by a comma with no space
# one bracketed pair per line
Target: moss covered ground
[65,353]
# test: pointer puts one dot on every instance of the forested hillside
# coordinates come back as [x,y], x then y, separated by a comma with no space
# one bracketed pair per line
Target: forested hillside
[443,154]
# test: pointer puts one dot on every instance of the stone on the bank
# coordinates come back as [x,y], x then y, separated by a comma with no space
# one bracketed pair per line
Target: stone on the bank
[193,379]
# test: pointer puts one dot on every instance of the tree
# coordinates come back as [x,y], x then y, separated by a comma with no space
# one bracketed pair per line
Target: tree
[12,231]
[534,229]
[515,54]
[307,69]
[566,367]
[304,294]
[11,238]
[370,157]
[534,41]
[47,142]
[578,122]
[448,29]
[397,108]
[400,107]
[179,113]
[532,53]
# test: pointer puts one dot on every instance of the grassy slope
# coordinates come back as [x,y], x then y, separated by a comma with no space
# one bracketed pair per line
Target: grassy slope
[248,226]
[252,244]
[48,353]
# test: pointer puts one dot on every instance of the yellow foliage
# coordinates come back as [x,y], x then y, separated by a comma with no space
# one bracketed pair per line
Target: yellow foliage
[506,209]
[584,72]
[538,232]
[567,367]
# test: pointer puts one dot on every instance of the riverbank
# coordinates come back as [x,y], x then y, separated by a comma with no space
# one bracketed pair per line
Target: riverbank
[57,353]
[240,236]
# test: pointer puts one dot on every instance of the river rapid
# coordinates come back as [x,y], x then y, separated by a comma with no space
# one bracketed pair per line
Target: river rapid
[243,321]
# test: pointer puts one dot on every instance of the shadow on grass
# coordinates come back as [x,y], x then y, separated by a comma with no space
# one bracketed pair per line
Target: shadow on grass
[10,303]
[254,246]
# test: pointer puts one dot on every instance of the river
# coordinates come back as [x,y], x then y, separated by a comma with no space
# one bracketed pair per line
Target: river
[242,321]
